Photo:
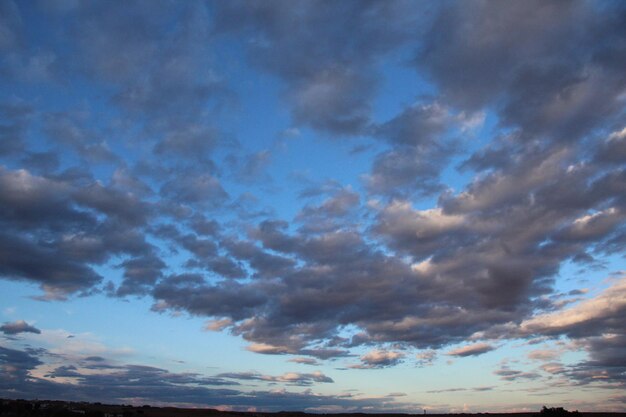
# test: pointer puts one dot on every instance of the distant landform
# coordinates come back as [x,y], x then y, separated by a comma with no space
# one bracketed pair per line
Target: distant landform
[56,408]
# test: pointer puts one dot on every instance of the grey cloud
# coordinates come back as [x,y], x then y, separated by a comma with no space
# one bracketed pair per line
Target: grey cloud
[204,190]
[548,185]
[121,43]
[471,350]
[150,384]
[336,206]
[225,299]
[404,172]
[15,117]
[190,142]
[420,125]
[204,227]
[15,365]
[426,358]
[329,87]
[265,264]
[304,361]
[140,275]
[333,213]
[613,148]
[41,162]
[70,130]
[57,274]
[95,358]
[17,327]
[589,318]
[290,378]
[334,99]
[121,206]
[205,250]
[476,389]
[160,77]
[10,24]
[251,168]
[594,325]
[421,148]
[374,286]
[80,223]
[379,359]
[43,200]
[544,63]
[508,374]
[485,258]
[21,61]
[606,361]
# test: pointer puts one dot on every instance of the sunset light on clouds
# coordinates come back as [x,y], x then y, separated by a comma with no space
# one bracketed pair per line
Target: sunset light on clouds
[323,206]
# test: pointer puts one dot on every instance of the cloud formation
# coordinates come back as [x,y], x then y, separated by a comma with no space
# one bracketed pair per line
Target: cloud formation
[115,383]
[471,350]
[201,156]
[17,327]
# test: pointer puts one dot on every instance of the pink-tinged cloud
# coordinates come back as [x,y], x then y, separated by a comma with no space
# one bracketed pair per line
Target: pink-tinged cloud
[472,350]
[583,317]
[379,359]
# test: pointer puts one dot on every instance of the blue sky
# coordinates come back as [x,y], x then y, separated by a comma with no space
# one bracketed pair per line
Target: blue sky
[320,206]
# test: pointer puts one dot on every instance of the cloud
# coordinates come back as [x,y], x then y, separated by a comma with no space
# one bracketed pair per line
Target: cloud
[146,384]
[605,363]
[17,327]
[332,86]
[499,164]
[447,390]
[471,350]
[304,361]
[508,374]
[426,358]
[543,355]
[546,69]
[15,365]
[379,359]
[290,378]
[588,318]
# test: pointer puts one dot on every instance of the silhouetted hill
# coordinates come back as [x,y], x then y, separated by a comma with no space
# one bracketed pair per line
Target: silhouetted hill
[52,408]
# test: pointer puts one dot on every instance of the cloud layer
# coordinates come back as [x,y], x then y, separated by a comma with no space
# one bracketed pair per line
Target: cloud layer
[143,154]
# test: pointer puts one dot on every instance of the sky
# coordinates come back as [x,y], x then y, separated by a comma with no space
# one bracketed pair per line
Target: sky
[326,206]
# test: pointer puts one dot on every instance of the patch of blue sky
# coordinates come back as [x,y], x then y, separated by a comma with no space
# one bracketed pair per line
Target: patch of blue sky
[161,340]
[593,278]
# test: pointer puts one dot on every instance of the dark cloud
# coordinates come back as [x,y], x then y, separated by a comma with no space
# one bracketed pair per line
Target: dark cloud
[79,223]
[156,385]
[17,327]
[596,326]
[146,161]
[330,87]
[290,378]
[379,359]
[471,350]
[333,213]
[544,64]
[140,274]
[508,374]
[15,118]
[15,365]
[606,361]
